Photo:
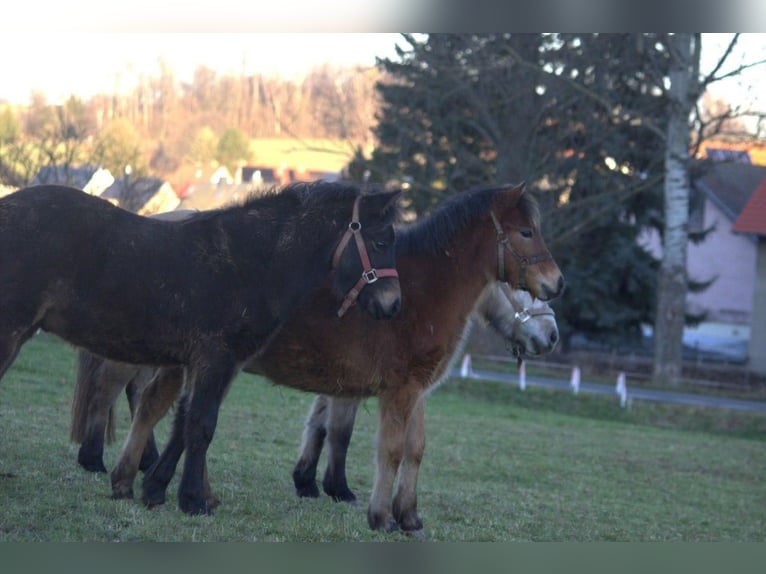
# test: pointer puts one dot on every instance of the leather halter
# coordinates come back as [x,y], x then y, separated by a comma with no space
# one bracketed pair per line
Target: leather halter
[503,241]
[369,273]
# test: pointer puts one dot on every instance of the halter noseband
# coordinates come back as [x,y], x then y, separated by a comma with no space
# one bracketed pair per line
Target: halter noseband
[504,242]
[524,314]
[369,273]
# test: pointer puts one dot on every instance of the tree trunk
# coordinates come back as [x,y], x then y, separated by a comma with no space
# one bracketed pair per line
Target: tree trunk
[671,292]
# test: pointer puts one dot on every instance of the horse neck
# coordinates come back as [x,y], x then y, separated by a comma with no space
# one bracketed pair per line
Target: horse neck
[297,238]
[455,276]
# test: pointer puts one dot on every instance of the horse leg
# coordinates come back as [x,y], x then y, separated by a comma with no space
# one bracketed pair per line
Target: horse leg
[405,501]
[10,342]
[154,402]
[212,500]
[157,478]
[209,385]
[340,426]
[105,387]
[395,408]
[133,391]
[304,472]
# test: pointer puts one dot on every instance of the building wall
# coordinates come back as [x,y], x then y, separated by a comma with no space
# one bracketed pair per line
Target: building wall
[731,257]
[757,348]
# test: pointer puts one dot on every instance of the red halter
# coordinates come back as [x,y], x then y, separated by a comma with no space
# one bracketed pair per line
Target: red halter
[369,273]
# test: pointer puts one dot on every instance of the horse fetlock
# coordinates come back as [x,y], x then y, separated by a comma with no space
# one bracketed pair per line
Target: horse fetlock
[304,479]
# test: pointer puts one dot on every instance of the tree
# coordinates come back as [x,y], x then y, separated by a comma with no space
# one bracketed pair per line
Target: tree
[684,50]
[465,110]
[232,149]
[118,147]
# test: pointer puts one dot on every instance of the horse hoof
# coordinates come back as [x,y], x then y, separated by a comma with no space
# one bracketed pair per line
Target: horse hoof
[122,492]
[212,501]
[382,522]
[344,495]
[153,498]
[92,465]
[307,491]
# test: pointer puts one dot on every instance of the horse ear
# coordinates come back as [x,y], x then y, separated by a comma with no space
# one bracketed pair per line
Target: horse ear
[380,203]
[509,196]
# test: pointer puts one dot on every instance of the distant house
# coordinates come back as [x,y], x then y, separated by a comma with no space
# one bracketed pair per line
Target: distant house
[752,221]
[186,178]
[145,195]
[92,180]
[718,198]
[212,196]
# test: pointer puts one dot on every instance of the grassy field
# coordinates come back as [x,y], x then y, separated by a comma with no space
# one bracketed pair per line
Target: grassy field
[500,464]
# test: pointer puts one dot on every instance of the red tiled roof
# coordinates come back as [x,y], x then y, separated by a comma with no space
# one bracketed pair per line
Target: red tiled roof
[752,219]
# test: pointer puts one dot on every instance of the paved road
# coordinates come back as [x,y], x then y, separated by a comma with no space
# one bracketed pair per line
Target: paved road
[633,393]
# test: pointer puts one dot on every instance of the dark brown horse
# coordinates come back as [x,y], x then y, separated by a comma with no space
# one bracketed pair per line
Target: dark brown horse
[203,294]
[445,262]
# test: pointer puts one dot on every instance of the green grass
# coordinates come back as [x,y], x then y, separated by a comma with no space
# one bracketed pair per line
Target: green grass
[500,464]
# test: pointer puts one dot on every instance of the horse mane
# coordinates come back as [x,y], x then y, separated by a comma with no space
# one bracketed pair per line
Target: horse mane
[431,234]
[309,196]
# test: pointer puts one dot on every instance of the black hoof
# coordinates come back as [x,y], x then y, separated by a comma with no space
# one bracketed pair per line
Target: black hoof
[91,464]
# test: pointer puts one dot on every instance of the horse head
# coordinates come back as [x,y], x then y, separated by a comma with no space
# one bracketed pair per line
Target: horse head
[528,325]
[365,259]
[523,259]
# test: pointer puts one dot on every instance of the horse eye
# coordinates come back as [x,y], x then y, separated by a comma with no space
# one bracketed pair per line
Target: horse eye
[381,244]
[527,233]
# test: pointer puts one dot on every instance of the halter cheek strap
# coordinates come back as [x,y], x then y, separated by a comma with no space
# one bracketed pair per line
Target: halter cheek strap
[369,273]
[504,242]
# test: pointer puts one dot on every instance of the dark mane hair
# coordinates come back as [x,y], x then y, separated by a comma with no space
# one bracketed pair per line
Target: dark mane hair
[306,195]
[432,233]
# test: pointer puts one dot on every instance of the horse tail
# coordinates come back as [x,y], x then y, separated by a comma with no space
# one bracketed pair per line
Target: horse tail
[87,367]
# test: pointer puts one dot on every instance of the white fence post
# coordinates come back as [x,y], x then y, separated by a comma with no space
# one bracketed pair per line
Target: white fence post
[465,368]
[575,382]
[622,389]
[523,375]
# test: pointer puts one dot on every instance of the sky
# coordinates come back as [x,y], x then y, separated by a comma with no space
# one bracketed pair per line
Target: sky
[90,62]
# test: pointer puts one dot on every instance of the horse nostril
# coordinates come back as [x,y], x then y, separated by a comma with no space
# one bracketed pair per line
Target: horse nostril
[554,338]
[395,308]
[560,285]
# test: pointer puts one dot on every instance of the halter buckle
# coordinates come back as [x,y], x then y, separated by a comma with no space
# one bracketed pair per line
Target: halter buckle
[355,226]
[370,276]
[523,316]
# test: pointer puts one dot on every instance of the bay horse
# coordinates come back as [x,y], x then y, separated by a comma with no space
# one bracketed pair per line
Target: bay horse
[445,261]
[203,294]
[527,325]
